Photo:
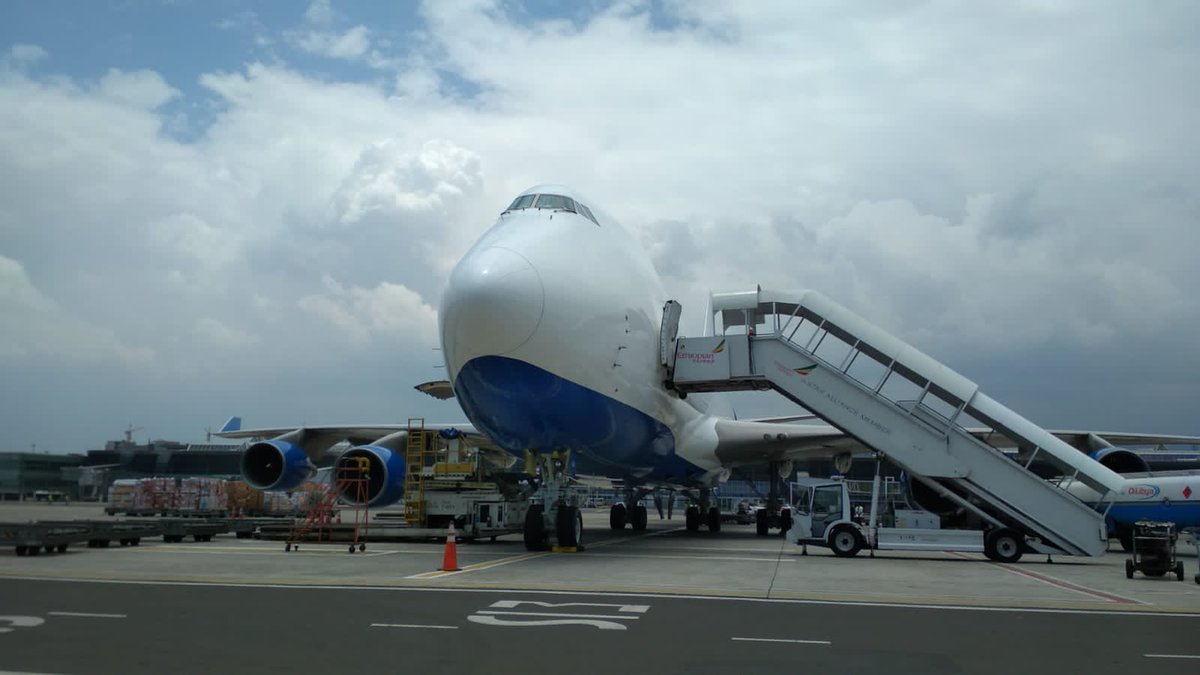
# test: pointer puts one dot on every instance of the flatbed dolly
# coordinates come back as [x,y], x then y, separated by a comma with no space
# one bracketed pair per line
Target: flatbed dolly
[33,538]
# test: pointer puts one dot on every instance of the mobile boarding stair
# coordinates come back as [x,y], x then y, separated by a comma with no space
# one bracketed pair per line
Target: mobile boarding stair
[923,416]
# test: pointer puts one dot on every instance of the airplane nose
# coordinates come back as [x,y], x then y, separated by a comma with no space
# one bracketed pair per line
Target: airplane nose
[493,305]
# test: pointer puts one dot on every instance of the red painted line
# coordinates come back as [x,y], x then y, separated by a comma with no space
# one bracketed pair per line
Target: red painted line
[1103,595]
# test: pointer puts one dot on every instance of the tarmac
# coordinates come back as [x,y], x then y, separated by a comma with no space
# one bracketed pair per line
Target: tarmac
[731,589]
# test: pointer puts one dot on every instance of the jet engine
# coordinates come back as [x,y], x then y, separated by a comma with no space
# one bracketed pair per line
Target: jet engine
[1121,460]
[277,464]
[385,474]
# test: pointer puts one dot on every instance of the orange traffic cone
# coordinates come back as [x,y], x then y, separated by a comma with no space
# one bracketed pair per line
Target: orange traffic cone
[450,557]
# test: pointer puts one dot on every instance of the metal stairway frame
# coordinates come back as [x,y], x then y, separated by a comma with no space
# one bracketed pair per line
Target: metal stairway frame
[812,350]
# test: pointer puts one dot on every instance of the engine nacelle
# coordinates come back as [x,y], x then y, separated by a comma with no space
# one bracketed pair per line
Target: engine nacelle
[276,465]
[385,474]
[1121,460]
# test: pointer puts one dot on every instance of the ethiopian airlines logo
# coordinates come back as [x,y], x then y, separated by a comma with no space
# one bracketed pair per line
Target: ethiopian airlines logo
[720,348]
[805,370]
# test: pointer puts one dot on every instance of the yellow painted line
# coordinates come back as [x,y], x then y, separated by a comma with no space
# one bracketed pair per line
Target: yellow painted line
[477,567]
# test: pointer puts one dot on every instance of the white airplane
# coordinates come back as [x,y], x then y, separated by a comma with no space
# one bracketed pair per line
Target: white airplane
[550,326]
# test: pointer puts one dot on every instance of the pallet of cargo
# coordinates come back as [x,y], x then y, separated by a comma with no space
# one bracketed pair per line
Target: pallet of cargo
[33,538]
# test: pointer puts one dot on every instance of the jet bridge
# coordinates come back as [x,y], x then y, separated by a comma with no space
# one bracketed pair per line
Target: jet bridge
[923,416]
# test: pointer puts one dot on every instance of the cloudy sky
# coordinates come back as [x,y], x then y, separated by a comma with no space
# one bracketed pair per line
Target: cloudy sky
[218,207]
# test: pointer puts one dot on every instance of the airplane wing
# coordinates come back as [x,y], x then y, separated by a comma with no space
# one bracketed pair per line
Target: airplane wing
[318,439]
[748,442]
[742,442]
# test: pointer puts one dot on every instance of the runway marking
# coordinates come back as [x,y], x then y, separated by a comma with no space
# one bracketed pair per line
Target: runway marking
[565,615]
[412,625]
[495,617]
[89,615]
[1172,656]
[799,642]
[477,567]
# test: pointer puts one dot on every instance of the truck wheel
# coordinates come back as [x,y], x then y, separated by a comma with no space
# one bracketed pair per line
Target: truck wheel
[535,529]
[762,525]
[785,520]
[1129,569]
[845,541]
[1002,545]
[617,516]
[691,518]
[714,519]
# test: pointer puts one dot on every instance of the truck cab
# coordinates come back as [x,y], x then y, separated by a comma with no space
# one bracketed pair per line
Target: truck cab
[821,514]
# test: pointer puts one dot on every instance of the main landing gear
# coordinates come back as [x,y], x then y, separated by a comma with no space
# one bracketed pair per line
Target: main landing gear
[703,513]
[636,516]
[554,519]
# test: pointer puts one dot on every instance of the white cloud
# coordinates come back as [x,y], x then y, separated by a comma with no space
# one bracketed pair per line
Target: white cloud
[143,88]
[35,326]
[387,311]
[352,44]
[24,53]
[981,180]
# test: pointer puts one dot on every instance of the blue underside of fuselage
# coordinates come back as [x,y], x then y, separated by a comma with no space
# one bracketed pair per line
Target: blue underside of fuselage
[520,406]
[1183,514]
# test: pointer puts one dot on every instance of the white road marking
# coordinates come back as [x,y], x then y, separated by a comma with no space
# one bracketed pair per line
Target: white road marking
[799,642]
[19,622]
[562,614]
[497,621]
[1172,656]
[512,604]
[412,625]
[89,615]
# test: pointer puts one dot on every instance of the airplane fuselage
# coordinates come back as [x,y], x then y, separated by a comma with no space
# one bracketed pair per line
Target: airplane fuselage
[550,328]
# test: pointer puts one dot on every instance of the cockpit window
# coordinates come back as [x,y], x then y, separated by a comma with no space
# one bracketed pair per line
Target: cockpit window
[522,202]
[555,202]
[587,213]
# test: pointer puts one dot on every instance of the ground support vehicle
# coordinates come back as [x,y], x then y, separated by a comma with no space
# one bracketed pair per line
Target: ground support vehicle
[823,514]
[1154,550]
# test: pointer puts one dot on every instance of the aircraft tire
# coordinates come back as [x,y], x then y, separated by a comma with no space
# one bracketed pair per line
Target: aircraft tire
[845,541]
[617,516]
[638,518]
[1179,570]
[1129,569]
[692,518]
[1125,536]
[714,519]
[1002,545]
[762,522]
[569,526]
[535,529]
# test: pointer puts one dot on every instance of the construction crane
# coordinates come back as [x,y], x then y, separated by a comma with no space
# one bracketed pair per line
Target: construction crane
[129,432]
